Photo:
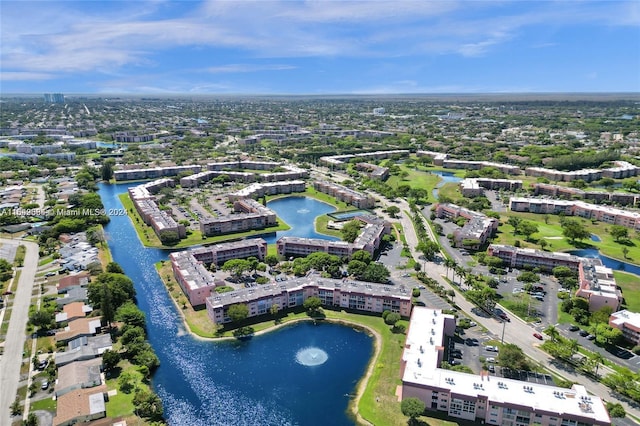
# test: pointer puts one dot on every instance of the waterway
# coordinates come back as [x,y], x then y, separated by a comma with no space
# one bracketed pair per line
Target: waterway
[261,381]
[299,213]
[446,177]
[615,264]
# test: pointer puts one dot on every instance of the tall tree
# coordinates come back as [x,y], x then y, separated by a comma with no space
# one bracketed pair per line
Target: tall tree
[238,312]
[574,230]
[106,172]
[413,408]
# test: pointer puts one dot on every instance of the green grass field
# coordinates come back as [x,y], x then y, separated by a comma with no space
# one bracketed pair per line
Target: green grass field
[44,404]
[630,285]
[121,404]
[551,232]
[416,179]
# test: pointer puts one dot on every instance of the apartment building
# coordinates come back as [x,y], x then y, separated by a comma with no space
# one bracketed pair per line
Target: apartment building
[154,172]
[596,282]
[342,193]
[257,190]
[232,169]
[451,163]
[558,191]
[345,294]
[482,398]
[477,229]
[474,187]
[132,137]
[145,203]
[629,323]
[606,214]
[515,257]
[190,272]
[369,240]
[252,215]
[621,170]
[373,171]
[340,160]
[437,157]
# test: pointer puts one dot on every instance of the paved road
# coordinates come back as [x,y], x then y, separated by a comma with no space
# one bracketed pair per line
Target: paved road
[12,357]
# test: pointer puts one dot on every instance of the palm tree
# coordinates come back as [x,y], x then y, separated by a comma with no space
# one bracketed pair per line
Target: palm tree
[573,346]
[459,270]
[450,264]
[553,332]
[597,359]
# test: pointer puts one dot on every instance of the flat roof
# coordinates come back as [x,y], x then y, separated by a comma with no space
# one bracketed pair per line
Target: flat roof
[245,295]
[424,338]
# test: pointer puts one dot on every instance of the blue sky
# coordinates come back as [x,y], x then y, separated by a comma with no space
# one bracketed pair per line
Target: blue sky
[319,47]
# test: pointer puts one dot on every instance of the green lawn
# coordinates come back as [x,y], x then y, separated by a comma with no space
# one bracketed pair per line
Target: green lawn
[564,317]
[121,404]
[44,404]
[416,179]
[45,260]
[551,232]
[630,285]
[450,190]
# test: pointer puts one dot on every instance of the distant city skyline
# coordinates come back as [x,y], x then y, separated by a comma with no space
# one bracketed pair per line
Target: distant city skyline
[319,47]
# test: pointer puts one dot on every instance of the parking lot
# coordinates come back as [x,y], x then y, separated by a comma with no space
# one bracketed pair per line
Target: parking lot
[620,355]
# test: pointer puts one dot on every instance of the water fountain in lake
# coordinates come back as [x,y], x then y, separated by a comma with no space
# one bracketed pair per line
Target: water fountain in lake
[311,356]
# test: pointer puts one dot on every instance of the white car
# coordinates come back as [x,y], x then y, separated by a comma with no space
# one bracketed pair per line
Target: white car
[491,360]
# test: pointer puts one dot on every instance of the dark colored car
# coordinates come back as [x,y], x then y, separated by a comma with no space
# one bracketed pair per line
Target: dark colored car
[574,328]
[537,336]
[583,333]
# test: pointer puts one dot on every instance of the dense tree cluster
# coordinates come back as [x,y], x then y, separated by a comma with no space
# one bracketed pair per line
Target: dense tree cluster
[583,160]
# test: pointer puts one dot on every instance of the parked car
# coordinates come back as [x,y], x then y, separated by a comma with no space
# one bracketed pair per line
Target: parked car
[50,274]
[537,336]
[574,327]
[491,348]
[491,360]
[583,333]
[591,337]
[45,384]
[6,293]
[454,362]
[491,368]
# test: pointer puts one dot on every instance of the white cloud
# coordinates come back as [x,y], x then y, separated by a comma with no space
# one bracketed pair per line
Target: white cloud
[243,68]
[24,76]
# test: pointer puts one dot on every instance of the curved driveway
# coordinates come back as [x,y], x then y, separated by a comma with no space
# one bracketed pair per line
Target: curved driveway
[11,360]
